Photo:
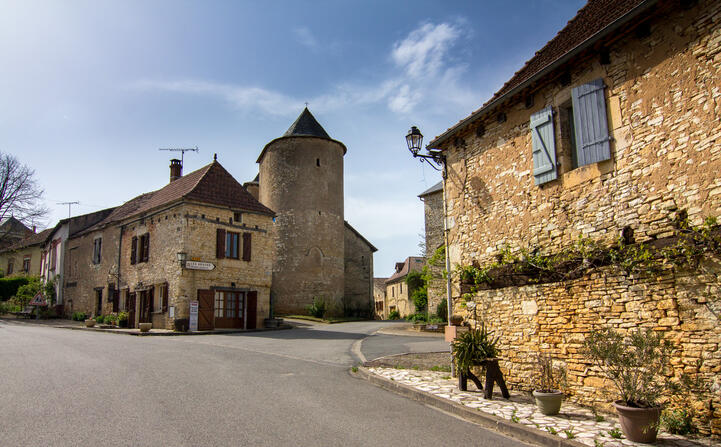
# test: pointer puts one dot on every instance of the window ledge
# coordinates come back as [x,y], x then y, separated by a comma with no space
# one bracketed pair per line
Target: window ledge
[586,173]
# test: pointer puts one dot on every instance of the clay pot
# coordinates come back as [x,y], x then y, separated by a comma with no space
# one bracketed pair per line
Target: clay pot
[145,327]
[638,424]
[89,323]
[548,403]
[456,320]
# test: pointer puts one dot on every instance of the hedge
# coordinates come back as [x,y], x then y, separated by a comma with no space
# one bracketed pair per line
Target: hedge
[10,286]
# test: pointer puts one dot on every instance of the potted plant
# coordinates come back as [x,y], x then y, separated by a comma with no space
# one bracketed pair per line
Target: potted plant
[635,364]
[549,380]
[456,320]
[123,319]
[89,322]
[145,327]
[470,349]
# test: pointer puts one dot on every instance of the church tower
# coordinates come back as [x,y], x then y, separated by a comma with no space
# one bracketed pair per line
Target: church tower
[301,179]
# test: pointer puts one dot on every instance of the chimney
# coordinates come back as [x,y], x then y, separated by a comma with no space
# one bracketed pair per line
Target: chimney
[176,169]
[34,229]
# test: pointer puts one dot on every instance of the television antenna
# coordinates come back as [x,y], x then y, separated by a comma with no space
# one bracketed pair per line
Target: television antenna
[69,204]
[182,151]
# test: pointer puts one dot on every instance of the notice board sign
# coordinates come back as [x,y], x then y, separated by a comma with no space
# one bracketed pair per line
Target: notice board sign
[193,316]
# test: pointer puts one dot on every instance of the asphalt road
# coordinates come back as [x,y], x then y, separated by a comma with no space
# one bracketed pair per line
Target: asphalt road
[65,387]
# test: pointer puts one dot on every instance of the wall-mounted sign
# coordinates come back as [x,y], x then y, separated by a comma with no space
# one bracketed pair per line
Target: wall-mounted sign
[171,312]
[193,316]
[198,265]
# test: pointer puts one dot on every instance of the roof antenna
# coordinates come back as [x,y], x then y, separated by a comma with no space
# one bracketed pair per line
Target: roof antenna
[69,204]
[215,157]
[306,104]
[182,151]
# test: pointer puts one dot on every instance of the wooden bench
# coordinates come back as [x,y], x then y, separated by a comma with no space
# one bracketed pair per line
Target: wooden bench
[27,312]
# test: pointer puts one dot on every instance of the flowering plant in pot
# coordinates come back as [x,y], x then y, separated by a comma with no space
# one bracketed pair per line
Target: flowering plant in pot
[635,363]
[548,382]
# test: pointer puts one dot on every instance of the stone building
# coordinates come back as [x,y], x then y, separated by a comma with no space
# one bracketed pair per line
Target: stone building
[24,257]
[397,295]
[379,298]
[432,199]
[613,128]
[13,231]
[317,254]
[201,237]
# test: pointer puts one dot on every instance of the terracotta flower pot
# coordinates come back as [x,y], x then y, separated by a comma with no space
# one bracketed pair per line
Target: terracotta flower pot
[145,327]
[548,403]
[89,323]
[638,424]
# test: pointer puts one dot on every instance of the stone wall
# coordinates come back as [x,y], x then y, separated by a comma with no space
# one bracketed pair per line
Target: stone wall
[398,299]
[433,211]
[663,100]
[379,298]
[358,276]
[554,318]
[83,279]
[301,179]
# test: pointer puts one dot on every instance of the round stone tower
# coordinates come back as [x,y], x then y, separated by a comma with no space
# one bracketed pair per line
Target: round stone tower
[301,179]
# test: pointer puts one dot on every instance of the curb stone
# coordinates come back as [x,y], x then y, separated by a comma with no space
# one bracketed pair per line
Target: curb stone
[508,428]
[171,333]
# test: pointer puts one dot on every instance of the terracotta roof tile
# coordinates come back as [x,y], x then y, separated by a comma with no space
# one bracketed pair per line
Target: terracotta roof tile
[411,264]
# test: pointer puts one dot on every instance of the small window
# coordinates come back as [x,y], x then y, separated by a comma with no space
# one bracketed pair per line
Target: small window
[317,162]
[237,217]
[232,245]
[97,250]
[26,264]
[144,248]
[10,267]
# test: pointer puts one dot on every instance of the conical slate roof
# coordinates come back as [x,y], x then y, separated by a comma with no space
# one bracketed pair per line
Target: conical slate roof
[306,124]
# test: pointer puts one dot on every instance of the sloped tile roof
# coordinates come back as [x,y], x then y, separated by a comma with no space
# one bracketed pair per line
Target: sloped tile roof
[209,184]
[435,188]
[411,264]
[306,124]
[33,239]
[586,27]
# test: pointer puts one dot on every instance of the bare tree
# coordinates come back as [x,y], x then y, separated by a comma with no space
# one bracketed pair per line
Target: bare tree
[20,194]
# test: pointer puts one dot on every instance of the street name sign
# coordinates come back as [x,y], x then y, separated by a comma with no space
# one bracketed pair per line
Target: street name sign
[199,265]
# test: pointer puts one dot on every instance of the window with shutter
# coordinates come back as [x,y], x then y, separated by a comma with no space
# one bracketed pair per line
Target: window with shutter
[246,246]
[146,247]
[165,297]
[220,243]
[134,250]
[544,146]
[590,123]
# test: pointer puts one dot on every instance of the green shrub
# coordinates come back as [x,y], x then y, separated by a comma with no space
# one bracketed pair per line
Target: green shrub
[435,320]
[111,319]
[99,319]
[417,317]
[394,315]
[678,421]
[442,310]
[317,309]
[7,307]
[9,286]
[474,346]
[79,316]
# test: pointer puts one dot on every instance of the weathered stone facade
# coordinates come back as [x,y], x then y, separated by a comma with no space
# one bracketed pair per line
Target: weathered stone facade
[380,299]
[357,274]
[433,213]
[397,296]
[663,100]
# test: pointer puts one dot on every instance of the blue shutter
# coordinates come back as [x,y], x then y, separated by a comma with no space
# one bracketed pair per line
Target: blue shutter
[590,122]
[544,146]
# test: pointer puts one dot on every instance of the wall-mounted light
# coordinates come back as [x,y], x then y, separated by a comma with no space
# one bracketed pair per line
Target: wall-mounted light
[182,257]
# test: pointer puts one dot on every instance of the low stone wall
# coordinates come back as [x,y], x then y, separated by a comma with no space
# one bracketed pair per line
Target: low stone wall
[554,318]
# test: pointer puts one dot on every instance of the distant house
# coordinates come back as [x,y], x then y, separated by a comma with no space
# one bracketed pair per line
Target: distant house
[24,257]
[13,231]
[397,294]
[379,298]
[201,238]
[611,131]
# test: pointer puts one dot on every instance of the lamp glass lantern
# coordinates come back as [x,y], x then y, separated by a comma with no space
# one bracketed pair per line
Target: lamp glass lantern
[182,257]
[414,140]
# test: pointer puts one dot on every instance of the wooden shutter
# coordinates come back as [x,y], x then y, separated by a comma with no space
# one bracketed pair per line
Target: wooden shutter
[590,123]
[165,297]
[134,250]
[146,247]
[252,309]
[544,146]
[246,246]
[116,299]
[220,243]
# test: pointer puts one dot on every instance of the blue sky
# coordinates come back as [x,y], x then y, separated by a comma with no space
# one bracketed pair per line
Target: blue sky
[89,90]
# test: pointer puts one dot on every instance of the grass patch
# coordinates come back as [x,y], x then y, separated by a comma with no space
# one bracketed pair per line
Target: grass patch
[615,433]
[354,369]
[441,368]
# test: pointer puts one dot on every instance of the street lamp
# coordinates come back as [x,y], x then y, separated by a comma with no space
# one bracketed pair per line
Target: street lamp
[182,257]
[437,160]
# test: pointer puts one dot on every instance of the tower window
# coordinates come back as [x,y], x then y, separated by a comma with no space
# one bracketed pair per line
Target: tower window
[317,162]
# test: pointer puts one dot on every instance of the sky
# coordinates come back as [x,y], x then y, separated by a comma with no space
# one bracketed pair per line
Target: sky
[89,90]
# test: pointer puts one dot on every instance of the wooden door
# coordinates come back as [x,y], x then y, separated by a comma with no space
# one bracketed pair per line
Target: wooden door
[205,310]
[131,310]
[252,306]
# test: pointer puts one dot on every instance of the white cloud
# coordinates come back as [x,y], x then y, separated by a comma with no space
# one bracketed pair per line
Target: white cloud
[422,71]
[306,38]
[422,52]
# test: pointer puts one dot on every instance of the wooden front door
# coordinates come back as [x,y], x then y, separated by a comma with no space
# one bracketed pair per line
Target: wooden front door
[229,309]
[131,310]
[146,306]
[205,310]
[252,306]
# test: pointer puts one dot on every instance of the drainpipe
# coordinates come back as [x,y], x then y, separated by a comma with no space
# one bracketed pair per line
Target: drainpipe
[448,258]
